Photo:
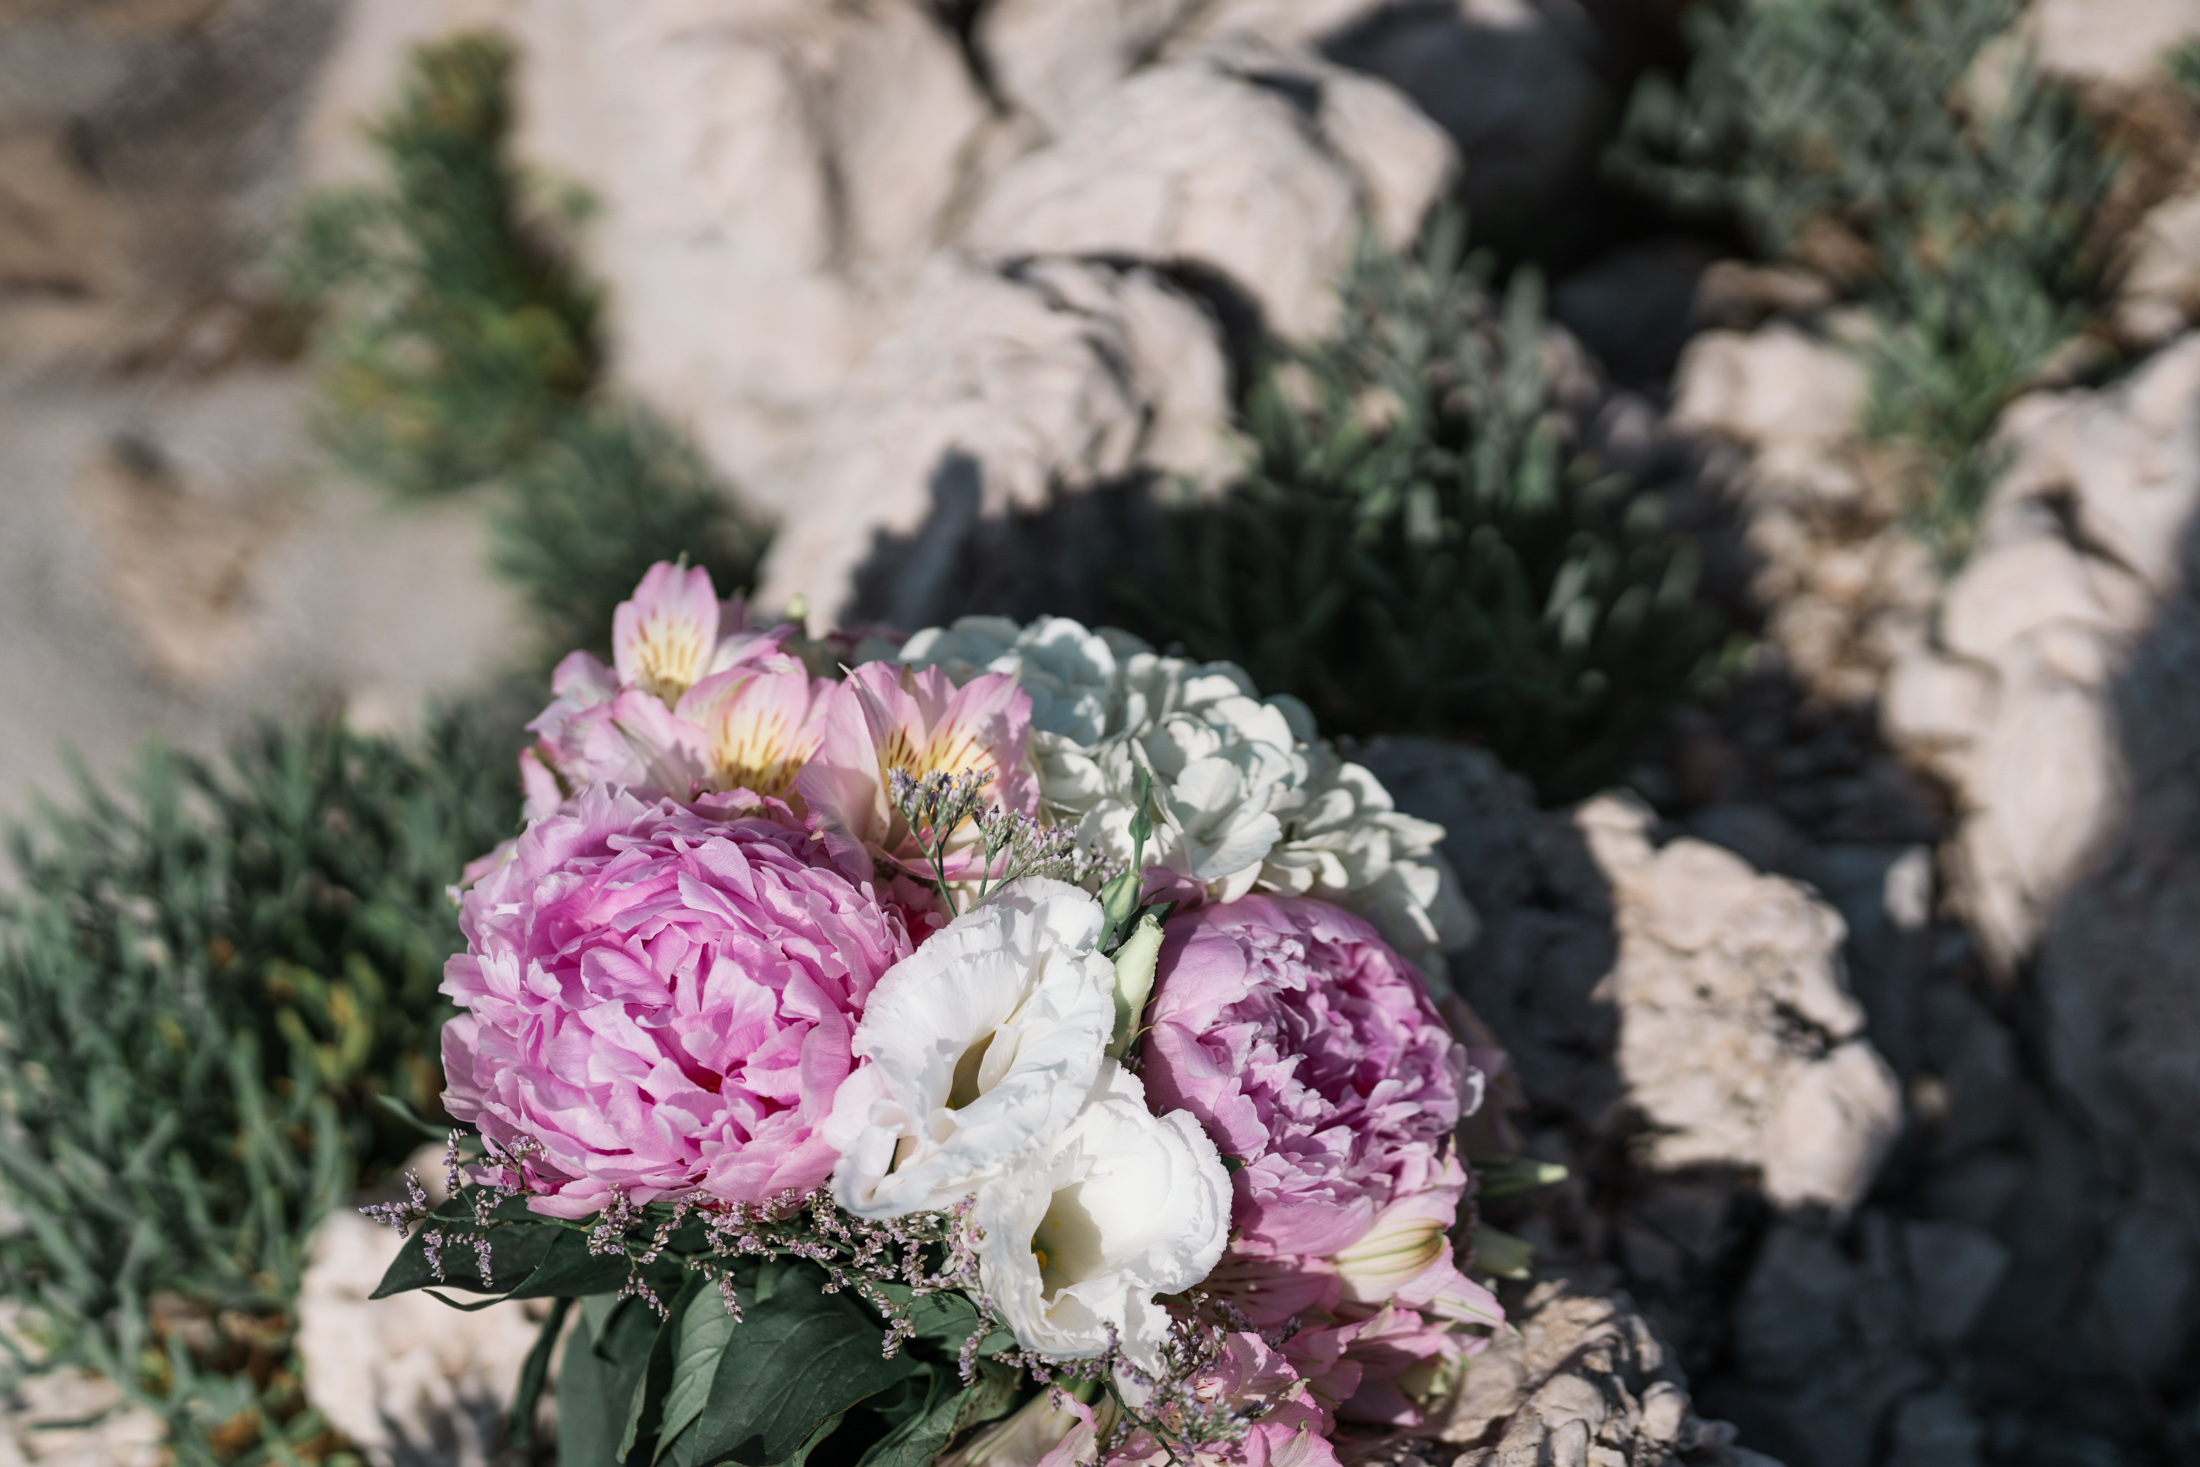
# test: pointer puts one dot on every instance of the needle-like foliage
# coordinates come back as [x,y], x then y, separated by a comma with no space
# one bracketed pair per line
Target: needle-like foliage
[1908,148]
[208,985]
[1420,543]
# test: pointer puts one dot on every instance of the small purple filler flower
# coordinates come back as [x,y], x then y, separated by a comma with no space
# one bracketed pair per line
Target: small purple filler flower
[1309,1051]
[662,996]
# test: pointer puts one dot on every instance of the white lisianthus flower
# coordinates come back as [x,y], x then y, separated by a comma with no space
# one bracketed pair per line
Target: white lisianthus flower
[1080,1238]
[974,1052]
[1246,798]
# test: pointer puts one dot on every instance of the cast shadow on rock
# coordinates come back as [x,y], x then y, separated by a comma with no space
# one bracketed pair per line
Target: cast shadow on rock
[1062,559]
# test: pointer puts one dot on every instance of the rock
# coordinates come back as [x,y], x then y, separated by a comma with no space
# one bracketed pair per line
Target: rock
[1845,588]
[770,178]
[1516,84]
[1954,1269]
[1581,1378]
[171,563]
[1822,1343]
[1776,389]
[2082,540]
[1710,995]
[70,1417]
[2115,43]
[2145,1288]
[2158,289]
[143,151]
[1635,306]
[411,1380]
[1738,1038]
[1054,59]
[771,185]
[1241,159]
[1003,388]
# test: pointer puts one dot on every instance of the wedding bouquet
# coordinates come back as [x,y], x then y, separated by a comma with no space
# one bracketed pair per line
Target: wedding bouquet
[1004,1045]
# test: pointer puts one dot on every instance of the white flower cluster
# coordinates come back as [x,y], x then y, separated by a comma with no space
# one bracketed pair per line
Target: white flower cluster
[988,1077]
[1245,796]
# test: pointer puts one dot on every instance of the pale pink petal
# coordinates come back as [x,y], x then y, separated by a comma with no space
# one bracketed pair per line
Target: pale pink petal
[759,728]
[663,639]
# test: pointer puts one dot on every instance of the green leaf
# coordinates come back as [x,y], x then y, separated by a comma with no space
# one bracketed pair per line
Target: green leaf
[797,1362]
[1501,1255]
[950,1410]
[705,1328]
[920,1435]
[516,1248]
[1508,1176]
[533,1373]
[596,1384]
[645,1411]
[569,1270]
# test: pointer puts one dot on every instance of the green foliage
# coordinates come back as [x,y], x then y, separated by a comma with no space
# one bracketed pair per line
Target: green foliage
[609,495]
[205,988]
[1887,141]
[799,1376]
[2183,65]
[464,331]
[461,349]
[1422,548]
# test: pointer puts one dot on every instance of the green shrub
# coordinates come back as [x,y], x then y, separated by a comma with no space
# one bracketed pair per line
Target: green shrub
[1419,545]
[462,331]
[460,342]
[612,493]
[205,990]
[1861,136]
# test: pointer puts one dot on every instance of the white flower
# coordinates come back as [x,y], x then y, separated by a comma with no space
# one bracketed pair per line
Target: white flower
[980,1048]
[1246,795]
[1123,1206]
[1074,676]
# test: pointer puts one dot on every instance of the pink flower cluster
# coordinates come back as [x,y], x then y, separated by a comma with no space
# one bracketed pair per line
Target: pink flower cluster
[661,998]
[664,974]
[1313,1056]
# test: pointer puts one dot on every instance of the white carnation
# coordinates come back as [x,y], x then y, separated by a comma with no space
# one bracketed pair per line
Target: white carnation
[1123,1206]
[974,1052]
[1247,796]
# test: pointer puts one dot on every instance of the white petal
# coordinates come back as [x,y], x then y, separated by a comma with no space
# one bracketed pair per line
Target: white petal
[1124,1206]
[980,1047]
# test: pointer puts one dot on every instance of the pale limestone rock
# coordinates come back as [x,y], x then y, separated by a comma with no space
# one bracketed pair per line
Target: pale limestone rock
[69,1417]
[771,176]
[413,1381]
[1002,387]
[2158,289]
[1055,58]
[2117,43]
[772,173]
[2084,544]
[1675,983]
[1581,1378]
[1717,963]
[173,567]
[1776,388]
[1242,159]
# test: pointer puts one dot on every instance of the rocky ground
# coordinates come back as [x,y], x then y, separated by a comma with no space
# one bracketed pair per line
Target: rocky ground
[1863,1020]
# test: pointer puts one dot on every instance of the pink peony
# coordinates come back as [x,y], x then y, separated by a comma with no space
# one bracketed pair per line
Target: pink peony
[1311,1054]
[662,997]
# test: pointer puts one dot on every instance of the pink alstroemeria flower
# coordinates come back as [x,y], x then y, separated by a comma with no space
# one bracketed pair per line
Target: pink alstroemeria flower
[885,717]
[695,700]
